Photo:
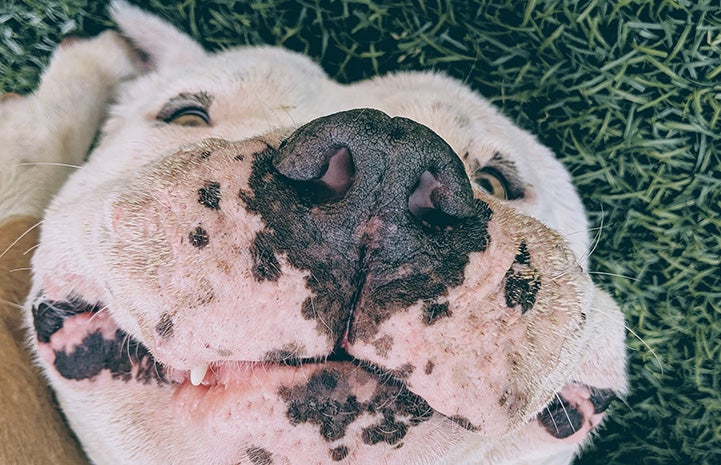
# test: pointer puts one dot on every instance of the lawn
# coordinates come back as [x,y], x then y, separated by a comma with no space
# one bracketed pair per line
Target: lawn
[627,94]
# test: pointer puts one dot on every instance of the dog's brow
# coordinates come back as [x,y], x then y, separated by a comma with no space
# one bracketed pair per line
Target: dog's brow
[185,99]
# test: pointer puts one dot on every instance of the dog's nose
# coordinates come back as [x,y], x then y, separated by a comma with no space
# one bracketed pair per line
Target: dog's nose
[378,210]
[395,163]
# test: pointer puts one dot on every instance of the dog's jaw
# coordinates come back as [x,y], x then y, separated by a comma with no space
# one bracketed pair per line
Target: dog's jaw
[160,254]
[145,269]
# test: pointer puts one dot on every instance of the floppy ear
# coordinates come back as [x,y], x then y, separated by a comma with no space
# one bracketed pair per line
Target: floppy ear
[164,45]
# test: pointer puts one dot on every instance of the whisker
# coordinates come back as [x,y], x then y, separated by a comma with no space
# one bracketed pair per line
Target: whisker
[126,342]
[617,275]
[15,270]
[565,412]
[31,249]
[49,163]
[647,345]
[163,203]
[104,309]
[595,241]
[20,238]
[637,336]
[157,367]
[553,420]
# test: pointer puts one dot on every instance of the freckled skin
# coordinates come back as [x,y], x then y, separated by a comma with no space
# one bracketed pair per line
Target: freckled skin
[432,312]
[199,237]
[355,291]
[164,328]
[209,195]
[259,456]
[522,282]
[356,297]
[339,453]
[323,396]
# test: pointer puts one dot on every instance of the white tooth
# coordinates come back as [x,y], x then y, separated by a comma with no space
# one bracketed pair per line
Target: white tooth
[197,374]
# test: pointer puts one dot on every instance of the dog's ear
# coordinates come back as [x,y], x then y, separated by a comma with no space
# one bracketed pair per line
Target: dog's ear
[159,42]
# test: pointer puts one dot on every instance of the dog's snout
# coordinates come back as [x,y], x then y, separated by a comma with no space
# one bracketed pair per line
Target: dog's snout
[384,160]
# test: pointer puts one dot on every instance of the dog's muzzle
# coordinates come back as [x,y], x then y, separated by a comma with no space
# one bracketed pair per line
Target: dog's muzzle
[382,205]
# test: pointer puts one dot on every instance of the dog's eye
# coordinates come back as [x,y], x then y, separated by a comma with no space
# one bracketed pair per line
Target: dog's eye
[492,181]
[189,117]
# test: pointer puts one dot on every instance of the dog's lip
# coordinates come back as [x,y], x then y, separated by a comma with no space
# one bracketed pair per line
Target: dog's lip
[221,371]
[225,372]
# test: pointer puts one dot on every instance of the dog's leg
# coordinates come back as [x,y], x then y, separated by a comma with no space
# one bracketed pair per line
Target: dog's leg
[45,134]
[42,136]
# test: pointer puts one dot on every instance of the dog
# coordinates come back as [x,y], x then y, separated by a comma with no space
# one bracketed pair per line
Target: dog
[258,265]
[42,136]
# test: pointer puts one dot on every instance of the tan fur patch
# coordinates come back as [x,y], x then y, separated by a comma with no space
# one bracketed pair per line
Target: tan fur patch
[33,432]
[8,96]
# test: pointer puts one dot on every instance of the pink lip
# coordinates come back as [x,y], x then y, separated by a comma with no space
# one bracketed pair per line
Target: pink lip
[226,373]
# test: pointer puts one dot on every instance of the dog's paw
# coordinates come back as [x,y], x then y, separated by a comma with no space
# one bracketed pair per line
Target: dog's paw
[107,58]
[47,133]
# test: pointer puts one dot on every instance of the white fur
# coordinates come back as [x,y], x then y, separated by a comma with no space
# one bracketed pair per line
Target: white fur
[257,92]
[55,125]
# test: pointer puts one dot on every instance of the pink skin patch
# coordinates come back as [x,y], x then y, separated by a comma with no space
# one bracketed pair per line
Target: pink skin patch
[575,414]
[74,330]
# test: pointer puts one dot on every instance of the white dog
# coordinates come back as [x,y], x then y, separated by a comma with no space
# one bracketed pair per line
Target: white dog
[42,136]
[258,265]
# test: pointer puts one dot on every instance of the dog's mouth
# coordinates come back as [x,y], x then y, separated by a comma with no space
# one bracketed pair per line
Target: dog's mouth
[334,401]
[224,372]
[331,392]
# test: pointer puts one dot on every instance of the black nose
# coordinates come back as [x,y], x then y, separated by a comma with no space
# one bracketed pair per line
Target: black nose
[362,152]
[377,211]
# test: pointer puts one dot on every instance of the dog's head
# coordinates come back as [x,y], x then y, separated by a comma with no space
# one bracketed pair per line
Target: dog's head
[259,265]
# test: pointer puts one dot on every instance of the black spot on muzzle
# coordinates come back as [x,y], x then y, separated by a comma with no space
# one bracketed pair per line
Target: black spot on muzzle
[561,418]
[122,356]
[327,401]
[259,456]
[378,210]
[50,315]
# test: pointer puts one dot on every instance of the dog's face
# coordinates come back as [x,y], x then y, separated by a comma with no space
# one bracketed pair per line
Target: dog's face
[258,265]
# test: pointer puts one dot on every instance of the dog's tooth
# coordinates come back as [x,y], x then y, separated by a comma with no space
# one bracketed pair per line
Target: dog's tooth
[197,374]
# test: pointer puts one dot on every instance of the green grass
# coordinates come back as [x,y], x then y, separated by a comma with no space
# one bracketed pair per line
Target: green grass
[627,93]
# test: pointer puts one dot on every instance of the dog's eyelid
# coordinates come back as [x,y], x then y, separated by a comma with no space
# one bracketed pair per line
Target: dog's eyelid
[505,172]
[196,101]
[189,116]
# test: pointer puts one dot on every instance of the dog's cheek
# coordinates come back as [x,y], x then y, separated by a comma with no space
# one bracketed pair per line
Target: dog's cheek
[187,259]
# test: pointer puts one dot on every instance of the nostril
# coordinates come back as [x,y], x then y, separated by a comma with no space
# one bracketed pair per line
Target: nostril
[338,176]
[425,201]
[323,178]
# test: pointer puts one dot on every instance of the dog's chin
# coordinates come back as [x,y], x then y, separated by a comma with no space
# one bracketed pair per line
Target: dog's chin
[323,412]
[340,399]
